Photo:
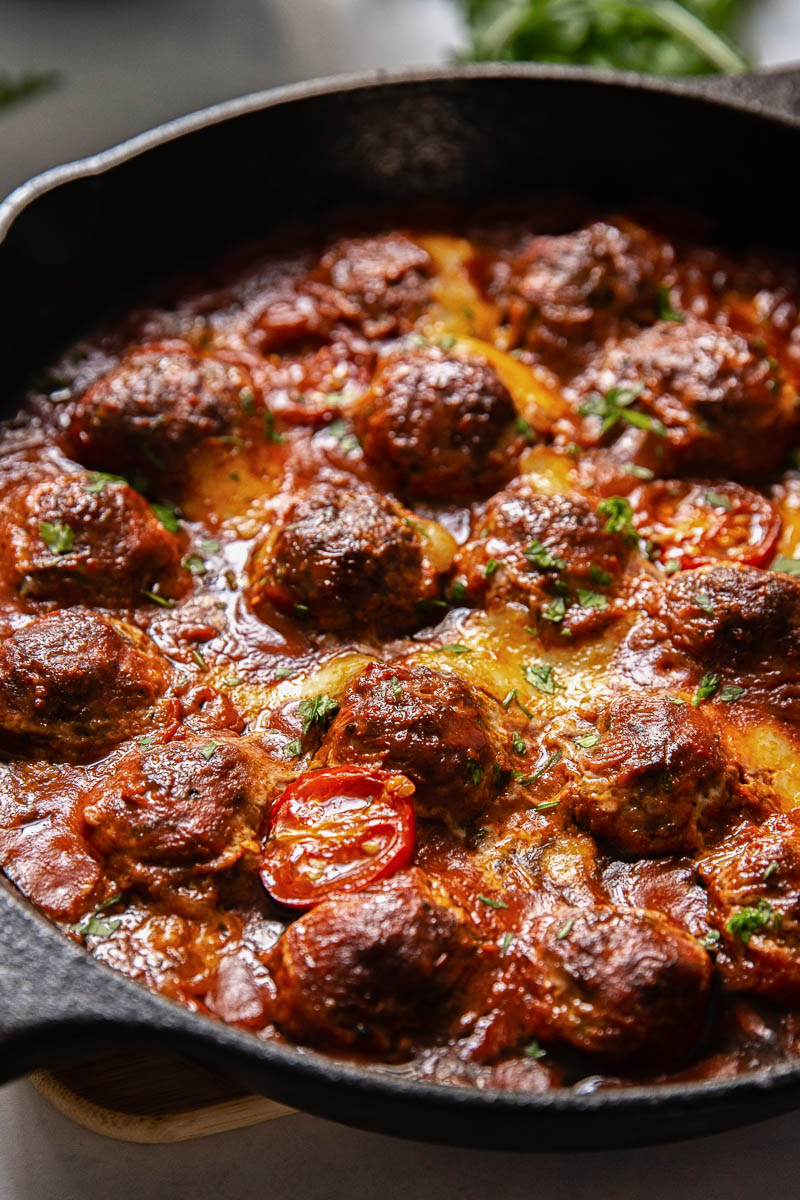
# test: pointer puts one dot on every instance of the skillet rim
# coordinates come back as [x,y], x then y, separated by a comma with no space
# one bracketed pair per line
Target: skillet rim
[680,1101]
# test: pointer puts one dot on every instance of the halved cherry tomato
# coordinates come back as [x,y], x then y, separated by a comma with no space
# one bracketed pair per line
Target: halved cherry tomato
[702,521]
[337,830]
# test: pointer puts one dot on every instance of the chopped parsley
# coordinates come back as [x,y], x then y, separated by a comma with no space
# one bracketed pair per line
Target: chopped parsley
[710,940]
[232,681]
[506,942]
[539,556]
[319,710]
[540,676]
[790,566]
[247,400]
[770,871]
[747,921]
[490,568]
[284,672]
[292,749]
[344,435]
[209,749]
[167,516]
[534,1050]
[665,310]
[518,743]
[731,693]
[671,566]
[551,762]
[620,516]
[270,432]
[210,546]
[397,691]
[614,406]
[703,600]
[455,648]
[198,658]
[145,740]
[524,427]
[98,480]
[58,538]
[195,564]
[587,740]
[565,930]
[492,903]
[705,689]
[95,924]
[164,601]
[513,698]
[599,575]
[638,472]
[555,611]
[717,501]
[301,610]
[458,590]
[475,771]
[588,599]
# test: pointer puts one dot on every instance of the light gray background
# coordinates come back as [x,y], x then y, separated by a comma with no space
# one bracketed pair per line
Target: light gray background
[126,66]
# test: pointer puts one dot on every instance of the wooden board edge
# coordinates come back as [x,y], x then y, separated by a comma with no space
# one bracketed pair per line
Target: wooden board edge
[173,1127]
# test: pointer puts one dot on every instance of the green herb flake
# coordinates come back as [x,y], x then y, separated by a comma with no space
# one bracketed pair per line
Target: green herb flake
[524,428]
[716,500]
[58,538]
[703,600]
[665,310]
[789,566]
[540,676]
[284,672]
[208,749]
[319,710]
[505,944]
[747,921]
[455,648]
[167,516]
[587,740]
[588,599]
[145,740]
[638,472]
[210,546]
[705,689]
[232,681]
[491,903]
[195,564]
[539,556]
[163,601]
[671,566]
[270,432]
[534,1050]
[344,435]
[301,610]
[770,871]
[620,516]
[615,405]
[490,568]
[198,658]
[96,924]
[599,575]
[555,611]
[475,771]
[292,749]
[99,480]
[247,400]
[731,693]
[397,690]
[710,940]
[551,762]
[565,930]
[519,745]
[458,590]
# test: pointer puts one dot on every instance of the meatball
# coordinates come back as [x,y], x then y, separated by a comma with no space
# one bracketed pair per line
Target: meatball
[617,983]
[551,553]
[424,724]
[382,281]
[435,424]
[173,811]
[346,558]
[656,781]
[733,617]
[75,541]
[562,295]
[753,882]
[715,404]
[156,406]
[369,971]
[73,683]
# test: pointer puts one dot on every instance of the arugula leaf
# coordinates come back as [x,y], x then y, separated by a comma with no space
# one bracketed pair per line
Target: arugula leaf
[660,37]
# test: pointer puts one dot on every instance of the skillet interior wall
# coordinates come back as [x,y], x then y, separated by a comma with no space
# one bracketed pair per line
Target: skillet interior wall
[75,252]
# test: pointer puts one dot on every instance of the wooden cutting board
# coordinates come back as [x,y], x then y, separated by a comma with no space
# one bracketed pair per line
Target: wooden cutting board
[151,1098]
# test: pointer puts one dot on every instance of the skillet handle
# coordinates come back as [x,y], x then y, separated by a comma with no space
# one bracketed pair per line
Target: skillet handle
[775,91]
[56,1002]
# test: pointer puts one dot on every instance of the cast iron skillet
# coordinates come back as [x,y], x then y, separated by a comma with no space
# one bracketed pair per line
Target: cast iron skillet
[77,239]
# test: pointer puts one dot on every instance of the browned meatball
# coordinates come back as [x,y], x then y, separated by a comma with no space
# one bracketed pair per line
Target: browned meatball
[562,295]
[715,405]
[656,781]
[383,281]
[152,409]
[733,617]
[345,558]
[426,725]
[551,553]
[618,983]
[188,808]
[368,971]
[435,424]
[72,683]
[753,882]
[73,540]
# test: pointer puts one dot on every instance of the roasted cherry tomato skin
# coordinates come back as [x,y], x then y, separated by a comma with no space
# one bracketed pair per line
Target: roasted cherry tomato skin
[337,830]
[700,522]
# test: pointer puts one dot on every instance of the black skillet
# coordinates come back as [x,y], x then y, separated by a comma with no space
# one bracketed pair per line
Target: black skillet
[78,239]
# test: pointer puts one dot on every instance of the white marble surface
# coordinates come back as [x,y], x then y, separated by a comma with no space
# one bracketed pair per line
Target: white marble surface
[124,67]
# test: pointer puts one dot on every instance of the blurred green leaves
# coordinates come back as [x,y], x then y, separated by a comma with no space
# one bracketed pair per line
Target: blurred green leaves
[15,89]
[660,37]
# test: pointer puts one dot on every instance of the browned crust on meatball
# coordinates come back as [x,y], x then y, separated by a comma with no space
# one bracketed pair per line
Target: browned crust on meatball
[73,683]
